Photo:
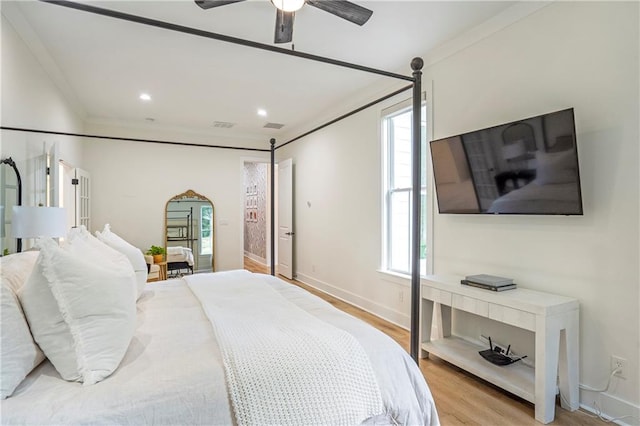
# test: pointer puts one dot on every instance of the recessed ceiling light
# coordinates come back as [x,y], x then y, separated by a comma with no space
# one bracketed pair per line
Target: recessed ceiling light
[145,97]
[262,112]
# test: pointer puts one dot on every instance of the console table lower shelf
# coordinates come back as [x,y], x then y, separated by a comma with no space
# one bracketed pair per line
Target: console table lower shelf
[517,378]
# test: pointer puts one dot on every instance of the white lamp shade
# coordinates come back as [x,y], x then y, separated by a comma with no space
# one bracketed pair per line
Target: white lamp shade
[514,150]
[288,5]
[33,222]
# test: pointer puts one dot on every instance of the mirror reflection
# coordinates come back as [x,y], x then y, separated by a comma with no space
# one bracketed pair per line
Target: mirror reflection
[189,234]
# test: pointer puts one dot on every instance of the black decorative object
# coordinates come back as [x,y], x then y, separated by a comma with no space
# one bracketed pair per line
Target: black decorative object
[272,142]
[416,205]
[9,161]
[498,356]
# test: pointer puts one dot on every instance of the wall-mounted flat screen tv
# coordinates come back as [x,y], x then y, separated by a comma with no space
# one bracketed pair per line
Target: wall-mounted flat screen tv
[528,166]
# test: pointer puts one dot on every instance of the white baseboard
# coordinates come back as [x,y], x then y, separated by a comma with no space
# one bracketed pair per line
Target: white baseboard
[610,407]
[398,318]
[256,258]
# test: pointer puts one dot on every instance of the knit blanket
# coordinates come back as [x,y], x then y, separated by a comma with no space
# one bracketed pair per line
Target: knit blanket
[284,366]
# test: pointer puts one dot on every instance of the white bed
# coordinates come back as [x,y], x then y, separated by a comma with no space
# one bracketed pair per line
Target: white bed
[179,258]
[173,371]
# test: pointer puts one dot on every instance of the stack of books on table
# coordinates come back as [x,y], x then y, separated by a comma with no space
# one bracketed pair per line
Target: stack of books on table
[489,282]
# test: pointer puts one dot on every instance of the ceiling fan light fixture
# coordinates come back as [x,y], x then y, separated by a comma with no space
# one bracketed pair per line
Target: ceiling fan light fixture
[288,5]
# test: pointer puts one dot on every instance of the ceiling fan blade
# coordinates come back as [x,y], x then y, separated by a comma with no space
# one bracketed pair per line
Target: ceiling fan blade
[284,27]
[209,4]
[344,9]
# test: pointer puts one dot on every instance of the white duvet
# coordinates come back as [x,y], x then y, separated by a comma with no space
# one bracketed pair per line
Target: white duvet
[173,371]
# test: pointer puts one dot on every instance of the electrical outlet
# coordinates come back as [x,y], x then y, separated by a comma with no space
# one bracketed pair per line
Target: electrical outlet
[621,365]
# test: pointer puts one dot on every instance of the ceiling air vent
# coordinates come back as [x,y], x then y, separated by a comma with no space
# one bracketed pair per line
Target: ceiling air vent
[223,124]
[273,126]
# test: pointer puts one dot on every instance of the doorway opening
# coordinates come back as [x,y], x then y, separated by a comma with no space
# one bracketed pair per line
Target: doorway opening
[257,211]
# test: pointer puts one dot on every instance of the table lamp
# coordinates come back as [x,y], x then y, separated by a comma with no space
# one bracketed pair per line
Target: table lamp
[33,222]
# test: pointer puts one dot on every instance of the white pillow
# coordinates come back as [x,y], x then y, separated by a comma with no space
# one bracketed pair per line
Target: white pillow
[557,167]
[133,253]
[80,242]
[19,354]
[81,313]
[16,268]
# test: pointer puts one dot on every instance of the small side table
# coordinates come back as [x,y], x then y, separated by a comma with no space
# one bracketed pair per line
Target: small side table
[163,270]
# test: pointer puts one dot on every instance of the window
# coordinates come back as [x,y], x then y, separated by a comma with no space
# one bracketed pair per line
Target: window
[396,133]
[206,240]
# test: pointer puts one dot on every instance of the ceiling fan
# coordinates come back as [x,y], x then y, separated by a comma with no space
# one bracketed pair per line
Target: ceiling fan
[287,8]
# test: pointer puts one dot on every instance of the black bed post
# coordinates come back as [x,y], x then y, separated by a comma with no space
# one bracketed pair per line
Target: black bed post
[273,207]
[416,168]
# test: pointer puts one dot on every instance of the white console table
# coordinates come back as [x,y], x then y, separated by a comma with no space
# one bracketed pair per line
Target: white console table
[554,320]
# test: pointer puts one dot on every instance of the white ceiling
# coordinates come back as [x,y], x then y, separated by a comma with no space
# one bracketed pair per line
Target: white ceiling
[103,64]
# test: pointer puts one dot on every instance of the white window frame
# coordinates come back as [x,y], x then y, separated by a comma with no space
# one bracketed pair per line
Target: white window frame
[387,173]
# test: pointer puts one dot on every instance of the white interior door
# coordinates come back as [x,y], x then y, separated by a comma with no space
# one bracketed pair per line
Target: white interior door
[82,186]
[285,218]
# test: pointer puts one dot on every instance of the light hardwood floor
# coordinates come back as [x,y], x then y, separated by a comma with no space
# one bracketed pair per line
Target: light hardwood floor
[461,398]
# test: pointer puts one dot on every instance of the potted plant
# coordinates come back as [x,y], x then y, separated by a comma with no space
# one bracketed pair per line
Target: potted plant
[157,253]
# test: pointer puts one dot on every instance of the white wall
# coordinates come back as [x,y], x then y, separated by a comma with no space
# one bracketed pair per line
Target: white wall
[132,182]
[568,54]
[30,100]
[337,206]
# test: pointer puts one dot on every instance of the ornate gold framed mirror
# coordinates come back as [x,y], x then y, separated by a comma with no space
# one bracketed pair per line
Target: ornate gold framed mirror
[189,234]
